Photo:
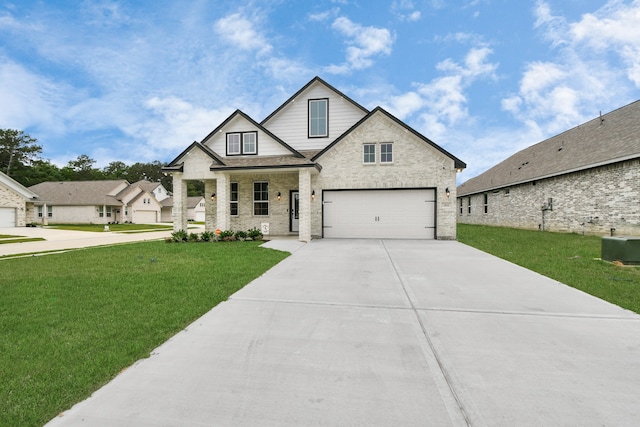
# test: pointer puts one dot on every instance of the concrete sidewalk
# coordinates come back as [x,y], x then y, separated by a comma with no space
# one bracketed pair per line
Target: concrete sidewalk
[60,240]
[380,333]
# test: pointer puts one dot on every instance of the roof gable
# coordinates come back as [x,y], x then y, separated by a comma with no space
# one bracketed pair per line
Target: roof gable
[176,164]
[213,139]
[607,139]
[315,80]
[458,164]
[16,187]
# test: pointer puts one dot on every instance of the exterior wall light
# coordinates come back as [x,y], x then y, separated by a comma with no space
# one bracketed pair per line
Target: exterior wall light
[447,192]
[279,196]
[213,197]
[313,195]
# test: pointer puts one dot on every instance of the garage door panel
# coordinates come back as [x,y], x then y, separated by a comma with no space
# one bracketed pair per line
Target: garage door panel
[7,217]
[387,214]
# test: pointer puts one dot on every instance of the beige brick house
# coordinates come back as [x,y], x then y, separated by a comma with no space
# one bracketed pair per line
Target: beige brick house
[320,165]
[585,180]
[16,203]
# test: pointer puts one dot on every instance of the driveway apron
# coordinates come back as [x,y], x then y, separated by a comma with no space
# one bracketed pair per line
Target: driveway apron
[381,333]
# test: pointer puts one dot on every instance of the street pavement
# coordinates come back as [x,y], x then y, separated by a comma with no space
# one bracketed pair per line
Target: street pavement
[387,333]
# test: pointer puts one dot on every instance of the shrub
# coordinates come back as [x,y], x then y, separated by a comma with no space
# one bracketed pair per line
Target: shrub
[255,234]
[241,235]
[207,236]
[179,236]
[193,237]
[227,235]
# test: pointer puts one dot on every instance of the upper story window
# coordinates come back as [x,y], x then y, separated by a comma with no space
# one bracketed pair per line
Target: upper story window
[318,118]
[369,153]
[242,143]
[386,152]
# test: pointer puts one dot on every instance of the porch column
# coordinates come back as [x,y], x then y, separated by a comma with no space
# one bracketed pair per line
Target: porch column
[45,214]
[179,202]
[304,187]
[210,205]
[223,217]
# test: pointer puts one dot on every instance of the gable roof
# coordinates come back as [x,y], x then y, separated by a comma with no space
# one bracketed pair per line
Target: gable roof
[176,165]
[14,185]
[458,164]
[257,125]
[78,193]
[316,79]
[607,139]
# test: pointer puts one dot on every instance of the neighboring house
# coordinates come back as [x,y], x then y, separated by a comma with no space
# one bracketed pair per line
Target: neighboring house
[16,203]
[195,209]
[585,180]
[97,202]
[320,165]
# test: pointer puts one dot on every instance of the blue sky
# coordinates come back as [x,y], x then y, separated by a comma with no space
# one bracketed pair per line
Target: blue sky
[140,80]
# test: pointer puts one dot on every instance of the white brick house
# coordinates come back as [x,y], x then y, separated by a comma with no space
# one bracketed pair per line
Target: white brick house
[16,203]
[584,180]
[320,165]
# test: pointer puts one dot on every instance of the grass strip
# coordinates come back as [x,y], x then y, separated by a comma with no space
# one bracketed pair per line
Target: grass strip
[572,259]
[21,240]
[112,227]
[70,322]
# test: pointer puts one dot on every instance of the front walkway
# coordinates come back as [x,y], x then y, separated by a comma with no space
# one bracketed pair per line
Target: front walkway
[383,333]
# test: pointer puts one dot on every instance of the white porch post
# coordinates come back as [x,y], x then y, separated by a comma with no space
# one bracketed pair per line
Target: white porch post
[179,202]
[210,206]
[223,217]
[45,214]
[304,187]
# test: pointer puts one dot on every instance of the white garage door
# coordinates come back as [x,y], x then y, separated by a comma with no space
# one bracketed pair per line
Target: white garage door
[7,217]
[145,217]
[379,214]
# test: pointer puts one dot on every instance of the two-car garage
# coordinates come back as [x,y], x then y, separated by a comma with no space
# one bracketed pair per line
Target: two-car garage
[382,214]
[7,217]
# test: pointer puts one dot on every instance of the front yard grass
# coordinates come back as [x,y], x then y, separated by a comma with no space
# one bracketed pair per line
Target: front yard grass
[70,322]
[112,227]
[572,259]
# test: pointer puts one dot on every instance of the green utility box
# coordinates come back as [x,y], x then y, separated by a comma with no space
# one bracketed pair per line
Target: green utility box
[620,248]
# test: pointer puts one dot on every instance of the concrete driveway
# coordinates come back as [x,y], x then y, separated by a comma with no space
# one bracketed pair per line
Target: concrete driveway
[387,333]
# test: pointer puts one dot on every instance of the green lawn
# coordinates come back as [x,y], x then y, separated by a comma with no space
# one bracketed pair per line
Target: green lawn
[70,322]
[572,259]
[21,240]
[112,227]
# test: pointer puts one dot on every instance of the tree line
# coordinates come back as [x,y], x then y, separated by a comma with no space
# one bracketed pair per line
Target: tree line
[20,158]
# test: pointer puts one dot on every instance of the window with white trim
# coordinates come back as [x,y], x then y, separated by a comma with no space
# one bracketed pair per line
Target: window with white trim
[261,198]
[318,118]
[369,153]
[386,152]
[233,199]
[242,143]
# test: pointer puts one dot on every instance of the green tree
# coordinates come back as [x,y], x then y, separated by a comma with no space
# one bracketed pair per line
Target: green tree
[39,171]
[17,147]
[116,170]
[81,169]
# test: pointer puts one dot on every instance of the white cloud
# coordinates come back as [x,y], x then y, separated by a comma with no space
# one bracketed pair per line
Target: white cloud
[405,10]
[241,32]
[597,65]
[363,44]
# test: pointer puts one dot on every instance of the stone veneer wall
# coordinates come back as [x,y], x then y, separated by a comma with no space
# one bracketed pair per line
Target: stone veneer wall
[415,165]
[591,201]
[10,199]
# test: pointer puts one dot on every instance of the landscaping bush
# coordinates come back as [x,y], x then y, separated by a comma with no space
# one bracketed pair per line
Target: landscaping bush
[179,236]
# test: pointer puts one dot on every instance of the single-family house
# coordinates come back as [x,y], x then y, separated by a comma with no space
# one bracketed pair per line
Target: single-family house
[97,202]
[584,180]
[16,203]
[195,209]
[320,165]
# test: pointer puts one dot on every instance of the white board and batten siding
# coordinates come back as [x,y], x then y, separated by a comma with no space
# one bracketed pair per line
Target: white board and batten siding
[381,214]
[266,145]
[7,217]
[291,124]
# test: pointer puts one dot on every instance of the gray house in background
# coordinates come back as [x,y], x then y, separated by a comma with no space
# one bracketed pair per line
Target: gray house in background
[585,180]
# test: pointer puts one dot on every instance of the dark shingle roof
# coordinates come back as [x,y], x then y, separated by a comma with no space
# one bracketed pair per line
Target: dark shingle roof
[607,139]
[78,193]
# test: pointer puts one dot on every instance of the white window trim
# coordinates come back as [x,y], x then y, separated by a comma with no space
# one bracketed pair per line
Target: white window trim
[241,149]
[392,153]
[326,118]
[375,153]
[229,152]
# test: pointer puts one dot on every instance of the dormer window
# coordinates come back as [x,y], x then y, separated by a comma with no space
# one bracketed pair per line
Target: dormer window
[319,118]
[239,143]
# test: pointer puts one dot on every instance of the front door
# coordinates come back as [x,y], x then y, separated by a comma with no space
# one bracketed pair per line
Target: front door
[294,211]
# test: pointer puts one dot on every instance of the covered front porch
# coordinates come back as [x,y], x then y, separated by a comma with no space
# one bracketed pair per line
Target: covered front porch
[277,201]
